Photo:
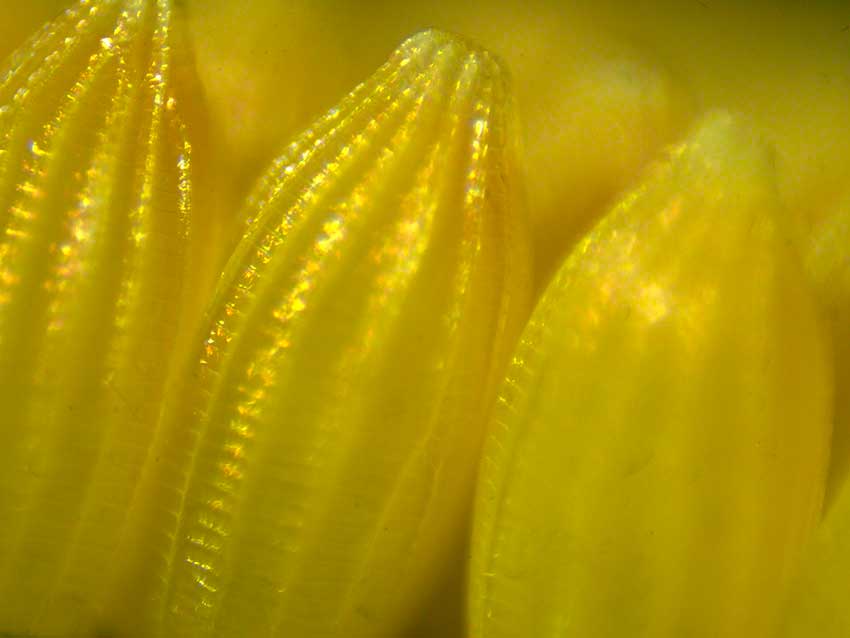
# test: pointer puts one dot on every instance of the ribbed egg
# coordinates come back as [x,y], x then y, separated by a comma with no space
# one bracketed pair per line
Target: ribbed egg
[658,457]
[94,204]
[318,457]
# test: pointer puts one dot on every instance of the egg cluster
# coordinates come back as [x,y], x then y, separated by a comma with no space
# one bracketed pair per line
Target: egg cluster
[463,361]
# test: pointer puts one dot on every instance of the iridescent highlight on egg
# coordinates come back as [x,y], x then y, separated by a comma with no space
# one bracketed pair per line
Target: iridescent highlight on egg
[658,458]
[319,455]
[95,191]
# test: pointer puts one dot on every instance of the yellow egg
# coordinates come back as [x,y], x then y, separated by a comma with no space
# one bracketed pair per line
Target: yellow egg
[236,408]
[657,461]
[319,454]
[95,199]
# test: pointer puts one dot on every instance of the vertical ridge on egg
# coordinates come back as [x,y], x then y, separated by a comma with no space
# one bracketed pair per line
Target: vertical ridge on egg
[94,215]
[658,456]
[317,461]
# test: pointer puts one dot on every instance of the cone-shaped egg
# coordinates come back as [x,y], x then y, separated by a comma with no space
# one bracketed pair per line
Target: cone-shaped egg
[658,455]
[319,458]
[94,198]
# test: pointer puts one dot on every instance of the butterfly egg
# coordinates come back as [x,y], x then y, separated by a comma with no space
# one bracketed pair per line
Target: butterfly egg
[657,461]
[319,456]
[95,191]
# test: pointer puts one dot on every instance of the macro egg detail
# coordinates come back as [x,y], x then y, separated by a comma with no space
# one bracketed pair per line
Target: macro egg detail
[657,460]
[95,192]
[319,455]
[230,412]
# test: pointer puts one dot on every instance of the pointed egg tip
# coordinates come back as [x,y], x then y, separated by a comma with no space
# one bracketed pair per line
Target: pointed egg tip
[723,147]
[429,67]
[422,47]
[386,254]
